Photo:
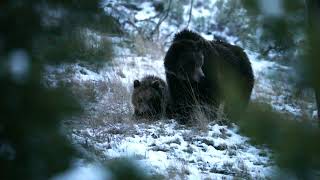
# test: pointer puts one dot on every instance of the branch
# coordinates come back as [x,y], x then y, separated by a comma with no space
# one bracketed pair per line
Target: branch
[190,13]
[150,18]
[156,29]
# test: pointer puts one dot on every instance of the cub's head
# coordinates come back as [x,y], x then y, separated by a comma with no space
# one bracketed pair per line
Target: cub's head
[184,60]
[147,98]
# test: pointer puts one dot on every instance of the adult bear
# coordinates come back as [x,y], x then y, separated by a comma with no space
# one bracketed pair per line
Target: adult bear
[201,73]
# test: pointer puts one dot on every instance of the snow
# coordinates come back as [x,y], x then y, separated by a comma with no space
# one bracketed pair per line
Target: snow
[86,74]
[136,68]
[200,12]
[314,114]
[81,171]
[259,66]
[165,145]
[147,11]
[271,7]
[19,65]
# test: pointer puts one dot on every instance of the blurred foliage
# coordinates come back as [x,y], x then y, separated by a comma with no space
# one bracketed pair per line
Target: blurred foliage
[253,29]
[66,30]
[72,45]
[32,146]
[32,141]
[311,64]
[124,169]
[295,143]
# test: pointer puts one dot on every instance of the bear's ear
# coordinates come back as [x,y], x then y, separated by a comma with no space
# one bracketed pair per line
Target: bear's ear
[136,83]
[156,84]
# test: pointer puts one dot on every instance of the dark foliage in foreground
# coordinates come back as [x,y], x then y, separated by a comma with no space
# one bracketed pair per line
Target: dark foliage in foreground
[295,143]
[33,144]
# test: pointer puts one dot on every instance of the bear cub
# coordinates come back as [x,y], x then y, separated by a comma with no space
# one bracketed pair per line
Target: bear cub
[150,97]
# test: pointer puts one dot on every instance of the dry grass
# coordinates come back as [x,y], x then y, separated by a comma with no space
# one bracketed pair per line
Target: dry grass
[113,106]
[104,102]
[180,171]
[143,47]
[204,114]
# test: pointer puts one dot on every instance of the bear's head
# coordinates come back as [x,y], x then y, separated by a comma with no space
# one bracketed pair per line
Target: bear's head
[184,60]
[146,98]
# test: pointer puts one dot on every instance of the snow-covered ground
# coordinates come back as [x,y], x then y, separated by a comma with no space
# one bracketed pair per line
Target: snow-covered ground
[170,149]
[165,147]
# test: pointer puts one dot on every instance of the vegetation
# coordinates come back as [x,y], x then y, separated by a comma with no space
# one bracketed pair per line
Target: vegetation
[295,143]
[72,34]
[32,143]
[256,31]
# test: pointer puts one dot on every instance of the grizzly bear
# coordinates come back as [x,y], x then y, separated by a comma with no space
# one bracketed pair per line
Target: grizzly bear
[201,72]
[150,97]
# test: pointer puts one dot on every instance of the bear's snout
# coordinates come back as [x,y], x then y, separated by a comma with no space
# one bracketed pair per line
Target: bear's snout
[198,75]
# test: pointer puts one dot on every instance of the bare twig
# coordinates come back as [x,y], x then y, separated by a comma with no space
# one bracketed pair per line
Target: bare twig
[133,25]
[151,18]
[161,20]
[156,20]
[190,13]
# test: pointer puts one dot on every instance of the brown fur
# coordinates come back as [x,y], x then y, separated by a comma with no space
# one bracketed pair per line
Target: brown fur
[228,76]
[150,97]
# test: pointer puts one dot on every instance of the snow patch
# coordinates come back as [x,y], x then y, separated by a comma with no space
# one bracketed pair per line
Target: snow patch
[147,11]
[271,7]
[82,171]
[164,146]
[19,65]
